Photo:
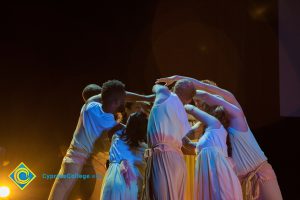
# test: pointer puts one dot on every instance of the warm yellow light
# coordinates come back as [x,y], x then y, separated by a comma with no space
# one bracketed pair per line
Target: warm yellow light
[4,191]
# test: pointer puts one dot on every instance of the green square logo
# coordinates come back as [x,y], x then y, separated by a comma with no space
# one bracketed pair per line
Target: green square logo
[22,176]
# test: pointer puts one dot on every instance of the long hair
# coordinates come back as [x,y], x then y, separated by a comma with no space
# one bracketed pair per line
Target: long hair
[219,113]
[136,129]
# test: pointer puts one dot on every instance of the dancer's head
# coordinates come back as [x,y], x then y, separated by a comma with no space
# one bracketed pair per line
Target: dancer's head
[220,114]
[201,104]
[185,90]
[113,95]
[131,107]
[90,90]
[136,129]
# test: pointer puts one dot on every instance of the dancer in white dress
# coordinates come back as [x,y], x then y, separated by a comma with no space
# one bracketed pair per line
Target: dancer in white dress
[95,119]
[215,178]
[256,174]
[168,123]
[124,177]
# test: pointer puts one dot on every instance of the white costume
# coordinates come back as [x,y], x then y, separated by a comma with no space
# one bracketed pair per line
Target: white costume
[123,179]
[215,178]
[92,123]
[166,170]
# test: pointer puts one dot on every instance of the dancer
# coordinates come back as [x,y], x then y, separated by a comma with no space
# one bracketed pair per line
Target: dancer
[124,177]
[168,123]
[256,174]
[95,119]
[95,164]
[90,90]
[214,176]
[131,107]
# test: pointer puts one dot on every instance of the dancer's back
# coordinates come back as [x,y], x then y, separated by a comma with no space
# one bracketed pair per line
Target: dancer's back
[214,169]
[168,122]
[123,159]
[167,125]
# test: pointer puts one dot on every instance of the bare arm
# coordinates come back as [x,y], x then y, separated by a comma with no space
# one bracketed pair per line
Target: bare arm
[195,128]
[130,96]
[214,100]
[202,116]
[235,114]
[114,129]
[189,146]
[145,107]
[228,96]
[96,98]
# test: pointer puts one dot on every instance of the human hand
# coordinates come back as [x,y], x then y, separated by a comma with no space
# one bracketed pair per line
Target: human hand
[189,108]
[167,80]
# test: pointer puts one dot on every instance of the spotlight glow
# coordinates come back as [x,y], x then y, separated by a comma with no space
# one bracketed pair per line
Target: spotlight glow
[4,191]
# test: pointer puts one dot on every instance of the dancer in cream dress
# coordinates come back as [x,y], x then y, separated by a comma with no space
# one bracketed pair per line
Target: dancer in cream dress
[215,178]
[256,174]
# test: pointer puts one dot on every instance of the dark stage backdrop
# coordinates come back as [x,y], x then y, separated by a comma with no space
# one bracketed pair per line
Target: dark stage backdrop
[289,61]
[48,53]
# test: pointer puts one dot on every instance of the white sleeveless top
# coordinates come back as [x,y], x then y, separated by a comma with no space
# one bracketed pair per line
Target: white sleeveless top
[168,122]
[213,137]
[246,152]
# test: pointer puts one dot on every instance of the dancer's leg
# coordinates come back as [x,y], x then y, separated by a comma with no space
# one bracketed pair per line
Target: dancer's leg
[269,187]
[62,187]
[270,190]
[167,176]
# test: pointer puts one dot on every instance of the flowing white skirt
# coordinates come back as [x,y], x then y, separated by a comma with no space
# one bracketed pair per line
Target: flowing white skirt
[165,176]
[215,178]
[115,187]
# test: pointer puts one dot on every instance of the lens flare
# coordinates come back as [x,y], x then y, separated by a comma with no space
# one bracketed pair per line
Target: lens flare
[4,191]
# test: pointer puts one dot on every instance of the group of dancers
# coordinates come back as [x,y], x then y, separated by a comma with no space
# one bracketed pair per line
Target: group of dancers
[145,154]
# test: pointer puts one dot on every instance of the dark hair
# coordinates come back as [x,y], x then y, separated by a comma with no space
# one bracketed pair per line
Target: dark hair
[129,105]
[207,108]
[219,113]
[112,90]
[90,90]
[136,129]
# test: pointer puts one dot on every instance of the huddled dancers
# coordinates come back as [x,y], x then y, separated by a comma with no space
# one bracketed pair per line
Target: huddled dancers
[145,156]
